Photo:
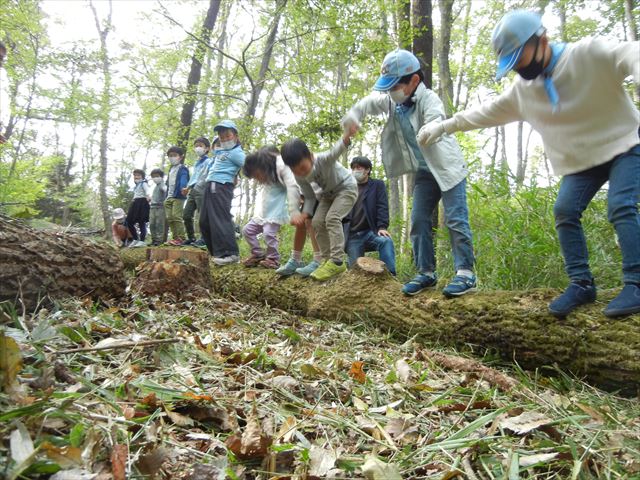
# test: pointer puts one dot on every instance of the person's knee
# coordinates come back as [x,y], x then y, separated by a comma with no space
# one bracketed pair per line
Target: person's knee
[618,209]
[565,209]
[318,223]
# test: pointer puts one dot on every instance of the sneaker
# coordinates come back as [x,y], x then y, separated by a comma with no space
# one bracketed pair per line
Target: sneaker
[253,261]
[270,263]
[626,303]
[200,243]
[176,242]
[575,295]
[420,282]
[228,260]
[460,285]
[307,270]
[290,267]
[328,270]
[188,241]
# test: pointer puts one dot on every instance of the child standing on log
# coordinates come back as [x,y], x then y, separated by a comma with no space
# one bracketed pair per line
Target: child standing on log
[279,191]
[157,219]
[194,189]
[339,193]
[441,171]
[573,95]
[138,213]
[216,221]
[176,183]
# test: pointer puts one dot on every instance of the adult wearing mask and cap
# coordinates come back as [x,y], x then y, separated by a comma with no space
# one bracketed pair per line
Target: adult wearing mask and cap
[573,96]
[407,104]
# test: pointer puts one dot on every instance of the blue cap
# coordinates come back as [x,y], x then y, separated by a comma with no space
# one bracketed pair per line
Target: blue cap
[396,65]
[226,124]
[510,35]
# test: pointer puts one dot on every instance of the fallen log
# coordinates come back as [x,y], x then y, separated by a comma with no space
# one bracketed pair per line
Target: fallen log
[38,264]
[514,324]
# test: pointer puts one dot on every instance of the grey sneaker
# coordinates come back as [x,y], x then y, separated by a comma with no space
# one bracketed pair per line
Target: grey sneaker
[308,269]
[228,260]
[290,267]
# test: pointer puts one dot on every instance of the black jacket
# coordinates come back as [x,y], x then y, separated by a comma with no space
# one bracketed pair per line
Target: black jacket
[375,204]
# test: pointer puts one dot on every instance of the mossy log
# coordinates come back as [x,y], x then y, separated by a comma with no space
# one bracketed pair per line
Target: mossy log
[516,325]
[38,264]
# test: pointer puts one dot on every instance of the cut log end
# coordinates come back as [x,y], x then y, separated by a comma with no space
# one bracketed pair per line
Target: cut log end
[371,266]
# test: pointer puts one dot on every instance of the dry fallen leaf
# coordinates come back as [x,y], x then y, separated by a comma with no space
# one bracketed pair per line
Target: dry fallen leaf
[321,461]
[375,469]
[403,370]
[178,419]
[21,444]
[525,422]
[150,463]
[253,443]
[119,455]
[66,456]
[525,461]
[357,373]
[10,360]
[287,430]
[73,474]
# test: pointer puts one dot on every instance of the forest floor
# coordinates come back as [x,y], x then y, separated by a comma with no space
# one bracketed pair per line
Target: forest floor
[247,392]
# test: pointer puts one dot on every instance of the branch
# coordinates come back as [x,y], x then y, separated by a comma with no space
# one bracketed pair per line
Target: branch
[145,343]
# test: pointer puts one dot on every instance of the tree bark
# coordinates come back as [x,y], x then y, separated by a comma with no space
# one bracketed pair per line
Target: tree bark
[38,264]
[444,72]
[186,116]
[515,324]
[423,38]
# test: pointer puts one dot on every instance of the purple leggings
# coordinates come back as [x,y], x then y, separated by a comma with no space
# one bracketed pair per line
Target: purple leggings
[270,234]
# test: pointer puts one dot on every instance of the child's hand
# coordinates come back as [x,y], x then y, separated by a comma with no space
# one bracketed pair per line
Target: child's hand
[185,191]
[298,219]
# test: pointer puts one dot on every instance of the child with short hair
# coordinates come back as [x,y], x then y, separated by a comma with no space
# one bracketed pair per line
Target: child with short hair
[339,193]
[279,189]
[157,223]
[138,213]
[195,189]
[216,222]
[176,181]
[119,230]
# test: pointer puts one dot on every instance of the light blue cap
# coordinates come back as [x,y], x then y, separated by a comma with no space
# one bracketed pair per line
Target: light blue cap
[226,124]
[510,35]
[396,65]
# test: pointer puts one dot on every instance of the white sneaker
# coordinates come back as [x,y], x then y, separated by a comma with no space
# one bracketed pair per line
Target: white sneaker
[139,243]
[228,260]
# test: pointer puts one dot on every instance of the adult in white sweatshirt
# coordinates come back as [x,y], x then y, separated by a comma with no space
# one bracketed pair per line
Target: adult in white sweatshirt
[573,95]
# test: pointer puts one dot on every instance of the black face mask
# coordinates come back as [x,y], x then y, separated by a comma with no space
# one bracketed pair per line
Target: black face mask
[535,67]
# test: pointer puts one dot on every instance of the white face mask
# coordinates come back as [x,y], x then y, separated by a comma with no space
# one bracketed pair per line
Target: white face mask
[229,144]
[398,96]
[174,160]
[157,180]
[359,175]
[200,151]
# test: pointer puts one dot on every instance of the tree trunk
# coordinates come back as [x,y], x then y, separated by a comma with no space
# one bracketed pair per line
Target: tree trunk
[186,116]
[515,324]
[423,38]
[38,264]
[105,112]
[444,72]
[465,48]
[522,164]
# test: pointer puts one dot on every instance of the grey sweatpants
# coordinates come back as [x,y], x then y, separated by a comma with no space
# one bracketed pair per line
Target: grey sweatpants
[157,224]
[327,222]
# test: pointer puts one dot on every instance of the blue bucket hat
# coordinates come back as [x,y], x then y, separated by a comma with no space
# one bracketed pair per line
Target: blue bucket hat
[396,65]
[511,34]
[226,124]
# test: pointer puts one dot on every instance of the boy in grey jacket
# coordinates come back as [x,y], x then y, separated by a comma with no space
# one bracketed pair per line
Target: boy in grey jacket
[440,169]
[339,194]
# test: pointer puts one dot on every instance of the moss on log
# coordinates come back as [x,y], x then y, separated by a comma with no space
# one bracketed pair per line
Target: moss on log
[38,264]
[605,352]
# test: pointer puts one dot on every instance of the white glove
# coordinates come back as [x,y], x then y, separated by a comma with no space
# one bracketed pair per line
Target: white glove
[212,187]
[430,133]
[348,121]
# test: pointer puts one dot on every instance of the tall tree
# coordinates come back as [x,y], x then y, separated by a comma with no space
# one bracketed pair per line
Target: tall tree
[186,116]
[105,112]
[423,38]
[444,71]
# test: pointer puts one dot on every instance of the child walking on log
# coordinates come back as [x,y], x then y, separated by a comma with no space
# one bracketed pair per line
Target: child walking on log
[279,191]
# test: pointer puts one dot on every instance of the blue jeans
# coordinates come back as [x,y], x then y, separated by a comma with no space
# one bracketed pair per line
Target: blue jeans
[577,190]
[426,195]
[368,241]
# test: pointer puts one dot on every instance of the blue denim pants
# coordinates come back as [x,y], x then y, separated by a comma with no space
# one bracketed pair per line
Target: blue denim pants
[426,195]
[368,241]
[577,190]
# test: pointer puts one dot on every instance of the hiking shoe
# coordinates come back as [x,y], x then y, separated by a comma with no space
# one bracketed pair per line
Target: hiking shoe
[228,260]
[307,270]
[270,263]
[290,267]
[176,242]
[575,295]
[626,303]
[419,283]
[188,241]
[199,243]
[460,285]
[328,270]
[253,261]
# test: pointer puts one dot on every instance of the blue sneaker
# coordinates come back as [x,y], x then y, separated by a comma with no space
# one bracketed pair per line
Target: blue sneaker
[290,267]
[419,283]
[309,269]
[460,285]
[626,303]
[575,295]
